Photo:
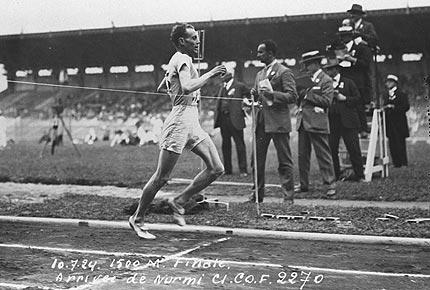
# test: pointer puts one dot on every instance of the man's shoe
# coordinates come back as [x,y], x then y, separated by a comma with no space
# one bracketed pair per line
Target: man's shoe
[288,197]
[251,199]
[243,174]
[178,211]
[298,189]
[331,192]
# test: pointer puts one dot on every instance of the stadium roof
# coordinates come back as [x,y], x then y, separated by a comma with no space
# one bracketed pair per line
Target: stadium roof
[399,30]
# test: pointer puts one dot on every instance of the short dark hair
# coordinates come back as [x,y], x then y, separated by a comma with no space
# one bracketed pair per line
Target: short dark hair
[270,45]
[178,31]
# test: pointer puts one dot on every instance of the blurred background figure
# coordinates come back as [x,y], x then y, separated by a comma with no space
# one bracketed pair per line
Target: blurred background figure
[396,105]
[91,137]
[230,118]
[3,136]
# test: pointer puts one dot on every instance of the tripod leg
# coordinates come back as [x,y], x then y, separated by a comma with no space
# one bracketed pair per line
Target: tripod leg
[43,150]
[70,137]
[54,141]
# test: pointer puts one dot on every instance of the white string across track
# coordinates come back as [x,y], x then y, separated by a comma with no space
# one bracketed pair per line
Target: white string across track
[113,90]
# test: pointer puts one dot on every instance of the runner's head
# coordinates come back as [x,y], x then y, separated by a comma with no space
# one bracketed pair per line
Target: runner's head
[185,38]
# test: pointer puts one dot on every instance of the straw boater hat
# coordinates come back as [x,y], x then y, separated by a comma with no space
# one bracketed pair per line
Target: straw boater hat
[356,9]
[393,78]
[343,30]
[311,55]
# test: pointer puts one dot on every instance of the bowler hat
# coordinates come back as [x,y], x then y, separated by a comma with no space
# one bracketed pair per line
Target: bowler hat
[343,30]
[311,55]
[356,9]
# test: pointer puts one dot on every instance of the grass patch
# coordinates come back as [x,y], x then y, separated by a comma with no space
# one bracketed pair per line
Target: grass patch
[131,166]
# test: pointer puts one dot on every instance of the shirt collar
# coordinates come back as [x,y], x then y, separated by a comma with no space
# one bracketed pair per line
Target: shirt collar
[315,75]
[392,91]
[358,23]
[349,45]
[270,65]
[336,80]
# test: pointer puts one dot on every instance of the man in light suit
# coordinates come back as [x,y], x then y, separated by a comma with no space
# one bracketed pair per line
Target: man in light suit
[275,89]
[365,28]
[313,124]
[344,120]
[230,118]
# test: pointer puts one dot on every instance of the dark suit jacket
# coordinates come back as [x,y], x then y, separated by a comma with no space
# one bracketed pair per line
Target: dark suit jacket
[397,123]
[360,71]
[276,118]
[238,91]
[346,110]
[368,32]
[321,95]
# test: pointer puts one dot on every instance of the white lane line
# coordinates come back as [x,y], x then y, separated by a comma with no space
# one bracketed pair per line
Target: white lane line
[315,269]
[22,286]
[182,253]
[81,251]
[357,272]
[166,258]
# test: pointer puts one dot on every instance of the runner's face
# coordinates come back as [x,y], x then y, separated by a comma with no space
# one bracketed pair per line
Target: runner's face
[191,42]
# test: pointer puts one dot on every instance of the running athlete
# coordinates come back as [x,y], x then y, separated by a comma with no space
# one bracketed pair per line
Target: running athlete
[181,129]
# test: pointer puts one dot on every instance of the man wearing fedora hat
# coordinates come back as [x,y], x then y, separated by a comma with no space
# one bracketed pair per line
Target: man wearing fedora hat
[396,105]
[355,63]
[365,28]
[344,120]
[313,123]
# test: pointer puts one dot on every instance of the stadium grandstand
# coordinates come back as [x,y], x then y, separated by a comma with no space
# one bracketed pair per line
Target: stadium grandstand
[132,58]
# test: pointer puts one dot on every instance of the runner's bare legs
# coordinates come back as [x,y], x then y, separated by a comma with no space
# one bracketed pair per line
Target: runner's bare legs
[214,168]
[166,163]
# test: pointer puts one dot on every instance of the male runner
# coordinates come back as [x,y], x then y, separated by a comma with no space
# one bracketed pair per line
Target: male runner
[181,129]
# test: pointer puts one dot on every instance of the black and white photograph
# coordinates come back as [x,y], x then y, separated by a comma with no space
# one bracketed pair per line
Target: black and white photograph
[214,144]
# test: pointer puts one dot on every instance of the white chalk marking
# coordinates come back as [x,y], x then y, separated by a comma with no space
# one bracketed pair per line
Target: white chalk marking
[81,251]
[206,244]
[182,253]
[166,258]
[22,286]
[315,269]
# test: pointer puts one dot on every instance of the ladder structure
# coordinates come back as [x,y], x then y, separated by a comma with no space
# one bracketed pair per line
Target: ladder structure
[374,149]
[378,140]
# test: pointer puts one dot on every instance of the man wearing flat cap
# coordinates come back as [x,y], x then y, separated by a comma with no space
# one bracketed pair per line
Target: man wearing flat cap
[396,105]
[313,123]
[365,28]
[355,62]
[344,120]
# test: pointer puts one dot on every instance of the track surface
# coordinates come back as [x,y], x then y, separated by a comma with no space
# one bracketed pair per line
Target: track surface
[88,258]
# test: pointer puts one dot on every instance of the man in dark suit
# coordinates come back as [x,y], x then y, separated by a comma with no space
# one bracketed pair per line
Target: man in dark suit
[356,59]
[313,124]
[364,28]
[275,89]
[396,105]
[344,121]
[230,118]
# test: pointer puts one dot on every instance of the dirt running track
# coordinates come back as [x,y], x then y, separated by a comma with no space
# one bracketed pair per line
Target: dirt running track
[54,257]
